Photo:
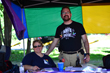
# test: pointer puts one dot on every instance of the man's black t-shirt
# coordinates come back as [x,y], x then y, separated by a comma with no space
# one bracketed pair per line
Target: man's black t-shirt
[70,36]
[34,60]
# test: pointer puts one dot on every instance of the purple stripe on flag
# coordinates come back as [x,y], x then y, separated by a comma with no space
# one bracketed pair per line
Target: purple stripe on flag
[18,26]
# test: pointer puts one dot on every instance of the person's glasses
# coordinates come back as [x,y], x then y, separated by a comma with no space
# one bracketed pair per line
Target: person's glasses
[65,12]
[36,46]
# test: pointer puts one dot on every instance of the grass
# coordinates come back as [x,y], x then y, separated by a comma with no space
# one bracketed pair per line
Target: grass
[99,52]
[95,57]
[17,55]
[96,52]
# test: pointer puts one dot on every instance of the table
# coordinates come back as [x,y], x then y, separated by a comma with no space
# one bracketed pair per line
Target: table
[55,70]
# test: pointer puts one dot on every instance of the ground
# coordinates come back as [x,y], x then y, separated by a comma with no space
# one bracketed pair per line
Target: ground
[96,41]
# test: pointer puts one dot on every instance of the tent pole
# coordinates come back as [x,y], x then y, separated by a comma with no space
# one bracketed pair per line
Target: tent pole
[23,36]
[24,45]
[80,1]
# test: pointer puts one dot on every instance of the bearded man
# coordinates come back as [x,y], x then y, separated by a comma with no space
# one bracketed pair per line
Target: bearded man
[70,33]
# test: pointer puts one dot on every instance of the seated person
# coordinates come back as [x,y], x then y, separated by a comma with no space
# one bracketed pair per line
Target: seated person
[36,60]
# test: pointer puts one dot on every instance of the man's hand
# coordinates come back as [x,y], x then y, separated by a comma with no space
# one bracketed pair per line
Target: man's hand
[87,59]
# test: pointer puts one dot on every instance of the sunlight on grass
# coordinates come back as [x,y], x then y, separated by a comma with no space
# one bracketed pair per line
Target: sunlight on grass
[55,56]
[102,53]
[21,51]
[100,50]
[96,56]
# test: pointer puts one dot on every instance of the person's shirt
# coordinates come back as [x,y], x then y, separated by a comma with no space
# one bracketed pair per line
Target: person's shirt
[34,60]
[70,36]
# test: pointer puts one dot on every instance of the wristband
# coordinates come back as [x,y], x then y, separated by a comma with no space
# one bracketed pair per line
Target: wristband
[88,54]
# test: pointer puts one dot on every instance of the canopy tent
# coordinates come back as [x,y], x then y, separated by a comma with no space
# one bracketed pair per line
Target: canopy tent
[37,18]
[96,18]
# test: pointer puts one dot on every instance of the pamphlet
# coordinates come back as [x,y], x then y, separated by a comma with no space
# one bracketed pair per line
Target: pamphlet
[48,69]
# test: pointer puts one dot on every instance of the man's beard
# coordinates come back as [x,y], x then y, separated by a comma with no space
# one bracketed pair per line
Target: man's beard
[66,18]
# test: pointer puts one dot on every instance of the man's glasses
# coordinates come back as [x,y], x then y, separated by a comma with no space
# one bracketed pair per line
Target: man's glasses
[36,46]
[65,12]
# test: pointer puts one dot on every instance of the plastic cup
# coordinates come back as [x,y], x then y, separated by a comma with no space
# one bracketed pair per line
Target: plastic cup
[60,66]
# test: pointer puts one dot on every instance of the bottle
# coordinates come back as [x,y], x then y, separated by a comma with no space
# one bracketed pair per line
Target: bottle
[62,59]
[21,68]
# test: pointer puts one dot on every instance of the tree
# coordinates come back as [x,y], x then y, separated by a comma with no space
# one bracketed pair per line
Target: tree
[28,46]
[6,38]
[1,7]
[6,35]
[8,30]
[1,16]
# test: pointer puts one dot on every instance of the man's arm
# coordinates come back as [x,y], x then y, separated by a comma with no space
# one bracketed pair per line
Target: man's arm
[52,46]
[86,45]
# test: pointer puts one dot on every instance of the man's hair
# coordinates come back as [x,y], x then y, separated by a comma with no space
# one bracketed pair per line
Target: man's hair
[64,8]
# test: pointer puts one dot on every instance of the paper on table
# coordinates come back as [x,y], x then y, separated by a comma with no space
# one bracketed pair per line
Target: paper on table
[71,68]
[48,69]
